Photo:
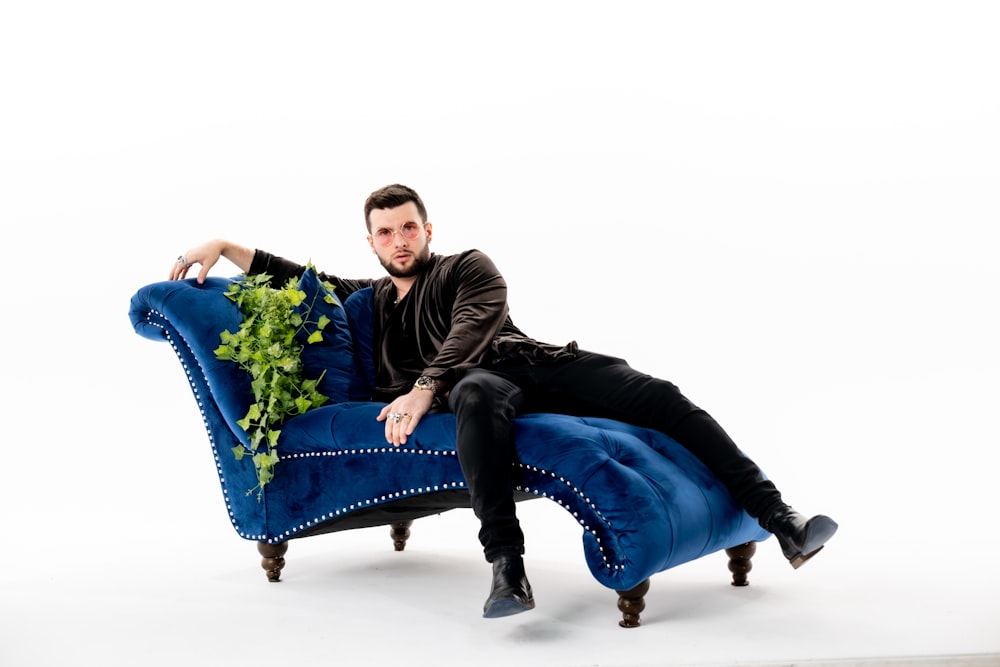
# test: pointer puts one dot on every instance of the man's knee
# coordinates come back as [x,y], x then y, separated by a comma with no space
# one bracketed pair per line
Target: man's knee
[479,390]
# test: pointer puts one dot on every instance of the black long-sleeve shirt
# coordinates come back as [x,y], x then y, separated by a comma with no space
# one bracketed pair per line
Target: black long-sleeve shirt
[455,317]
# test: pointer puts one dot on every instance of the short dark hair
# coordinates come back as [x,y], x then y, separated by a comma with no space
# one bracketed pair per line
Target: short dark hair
[392,196]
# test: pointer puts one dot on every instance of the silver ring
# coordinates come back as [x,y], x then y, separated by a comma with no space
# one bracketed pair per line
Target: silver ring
[182,260]
[395,416]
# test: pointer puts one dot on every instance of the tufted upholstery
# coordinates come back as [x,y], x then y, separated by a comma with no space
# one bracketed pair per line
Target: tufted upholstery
[643,503]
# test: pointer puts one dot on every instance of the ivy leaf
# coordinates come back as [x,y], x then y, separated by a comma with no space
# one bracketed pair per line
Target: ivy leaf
[265,346]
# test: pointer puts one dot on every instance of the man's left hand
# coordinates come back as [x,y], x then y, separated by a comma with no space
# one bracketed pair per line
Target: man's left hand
[403,414]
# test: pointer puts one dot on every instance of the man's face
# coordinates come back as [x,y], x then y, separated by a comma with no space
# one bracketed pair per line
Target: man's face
[400,239]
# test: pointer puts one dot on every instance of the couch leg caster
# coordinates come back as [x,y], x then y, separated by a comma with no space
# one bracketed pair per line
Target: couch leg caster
[739,562]
[400,532]
[631,603]
[273,558]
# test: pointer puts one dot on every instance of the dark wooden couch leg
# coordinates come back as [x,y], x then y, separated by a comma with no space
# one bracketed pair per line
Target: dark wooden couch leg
[631,603]
[739,562]
[400,532]
[273,558]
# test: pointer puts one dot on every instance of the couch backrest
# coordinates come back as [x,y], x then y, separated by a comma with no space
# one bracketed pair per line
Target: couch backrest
[199,313]
[191,318]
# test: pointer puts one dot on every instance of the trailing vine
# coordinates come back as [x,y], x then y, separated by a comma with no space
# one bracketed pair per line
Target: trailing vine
[267,346]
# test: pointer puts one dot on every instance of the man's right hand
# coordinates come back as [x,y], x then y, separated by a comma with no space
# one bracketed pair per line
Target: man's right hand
[207,255]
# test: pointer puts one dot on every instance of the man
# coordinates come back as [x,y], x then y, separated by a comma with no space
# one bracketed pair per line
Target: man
[444,341]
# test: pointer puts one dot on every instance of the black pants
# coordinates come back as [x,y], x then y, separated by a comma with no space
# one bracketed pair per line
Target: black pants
[486,401]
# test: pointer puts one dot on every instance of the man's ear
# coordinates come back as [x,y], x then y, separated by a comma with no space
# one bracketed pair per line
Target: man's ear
[371,243]
[430,230]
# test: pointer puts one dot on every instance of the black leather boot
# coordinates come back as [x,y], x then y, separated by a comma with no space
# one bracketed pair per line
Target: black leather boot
[511,592]
[800,538]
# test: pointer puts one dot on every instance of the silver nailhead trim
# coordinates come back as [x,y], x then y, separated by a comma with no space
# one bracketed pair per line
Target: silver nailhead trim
[576,515]
[204,421]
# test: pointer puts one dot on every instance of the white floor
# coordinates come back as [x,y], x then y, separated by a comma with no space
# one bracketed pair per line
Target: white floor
[130,559]
[178,589]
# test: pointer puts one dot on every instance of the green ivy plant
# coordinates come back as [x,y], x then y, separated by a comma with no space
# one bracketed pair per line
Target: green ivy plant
[266,347]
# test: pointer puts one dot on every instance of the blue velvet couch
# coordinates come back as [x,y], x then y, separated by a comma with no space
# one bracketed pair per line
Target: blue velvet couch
[642,502]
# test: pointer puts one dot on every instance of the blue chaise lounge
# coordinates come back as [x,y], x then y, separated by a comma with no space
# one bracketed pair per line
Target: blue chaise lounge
[643,503]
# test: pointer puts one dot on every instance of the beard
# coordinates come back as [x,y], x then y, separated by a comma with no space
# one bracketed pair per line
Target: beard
[416,267]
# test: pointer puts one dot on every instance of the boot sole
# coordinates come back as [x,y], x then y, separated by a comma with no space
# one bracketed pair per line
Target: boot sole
[507,607]
[819,530]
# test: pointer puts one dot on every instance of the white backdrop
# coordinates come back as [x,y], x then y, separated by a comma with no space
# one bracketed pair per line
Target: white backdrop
[787,208]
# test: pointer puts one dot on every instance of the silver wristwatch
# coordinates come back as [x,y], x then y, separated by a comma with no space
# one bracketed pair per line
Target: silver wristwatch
[426,382]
